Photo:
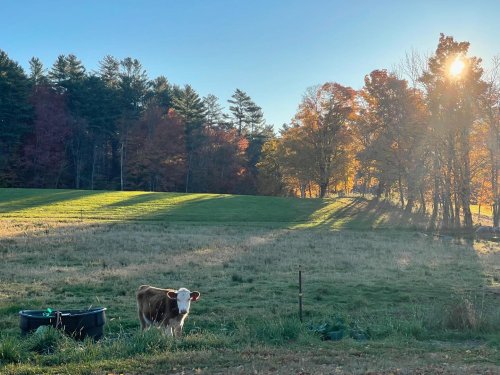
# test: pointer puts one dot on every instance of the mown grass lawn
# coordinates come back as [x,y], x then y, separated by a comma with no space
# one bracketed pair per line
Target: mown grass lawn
[239,210]
[405,301]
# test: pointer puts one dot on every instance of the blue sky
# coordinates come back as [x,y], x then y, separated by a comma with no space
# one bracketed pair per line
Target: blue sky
[273,50]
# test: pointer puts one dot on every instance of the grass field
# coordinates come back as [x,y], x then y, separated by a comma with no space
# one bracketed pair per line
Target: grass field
[407,302]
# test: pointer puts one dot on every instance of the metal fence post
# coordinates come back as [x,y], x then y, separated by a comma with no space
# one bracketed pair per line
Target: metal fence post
[300,293]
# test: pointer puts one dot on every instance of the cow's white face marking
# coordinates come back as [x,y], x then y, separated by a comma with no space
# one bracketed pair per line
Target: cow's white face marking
[184,298]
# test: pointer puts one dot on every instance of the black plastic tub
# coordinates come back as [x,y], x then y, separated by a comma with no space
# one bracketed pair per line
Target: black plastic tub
[76,323]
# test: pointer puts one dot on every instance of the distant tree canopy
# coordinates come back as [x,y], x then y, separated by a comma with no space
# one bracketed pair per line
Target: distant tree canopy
[427,134]
[433,143]
[66,127]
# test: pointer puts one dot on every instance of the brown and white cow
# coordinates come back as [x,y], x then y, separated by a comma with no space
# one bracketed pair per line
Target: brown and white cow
[165,308]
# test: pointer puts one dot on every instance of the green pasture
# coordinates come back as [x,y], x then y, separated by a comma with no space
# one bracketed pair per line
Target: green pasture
[405,301]
[349,213]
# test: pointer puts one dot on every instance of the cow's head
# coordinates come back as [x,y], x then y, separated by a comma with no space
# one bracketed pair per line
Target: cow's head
[184,298]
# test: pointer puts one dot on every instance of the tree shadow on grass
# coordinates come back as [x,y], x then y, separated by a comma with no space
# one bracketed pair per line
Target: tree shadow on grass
[225,209]
[363,214]
[339,213]
[168,207]
[13,200]
[150,206]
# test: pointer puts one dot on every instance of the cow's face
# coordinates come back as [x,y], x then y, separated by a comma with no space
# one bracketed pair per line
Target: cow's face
[184,298]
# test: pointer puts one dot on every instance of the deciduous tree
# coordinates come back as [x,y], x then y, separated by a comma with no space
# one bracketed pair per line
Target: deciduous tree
[490,113]
[157,154]
[326,115]
[454,85]
[45,150]
[392,129]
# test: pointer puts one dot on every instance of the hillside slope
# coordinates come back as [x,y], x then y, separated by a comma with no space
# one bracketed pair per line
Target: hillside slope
[353,213]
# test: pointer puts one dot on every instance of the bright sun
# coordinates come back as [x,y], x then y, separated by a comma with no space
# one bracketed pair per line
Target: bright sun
[456,67]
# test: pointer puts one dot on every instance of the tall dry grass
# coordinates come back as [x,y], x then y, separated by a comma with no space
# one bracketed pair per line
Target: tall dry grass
[392,286]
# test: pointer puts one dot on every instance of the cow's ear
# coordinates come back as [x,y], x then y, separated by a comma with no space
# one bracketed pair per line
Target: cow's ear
[195,296]
[172,295]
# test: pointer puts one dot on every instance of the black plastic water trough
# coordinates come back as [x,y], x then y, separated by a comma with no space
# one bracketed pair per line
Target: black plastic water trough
[76,323]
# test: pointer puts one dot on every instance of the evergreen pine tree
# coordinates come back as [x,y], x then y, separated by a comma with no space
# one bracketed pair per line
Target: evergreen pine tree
[133,85]
[109,71]
[58,74]
[255,119]
[15,115]
[37,75]
[240,103]
[189,107]
[213,116]
[160,93]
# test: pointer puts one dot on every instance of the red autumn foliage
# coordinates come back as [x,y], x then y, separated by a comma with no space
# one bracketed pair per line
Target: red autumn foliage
[45,150]
[157,154]
[222,155]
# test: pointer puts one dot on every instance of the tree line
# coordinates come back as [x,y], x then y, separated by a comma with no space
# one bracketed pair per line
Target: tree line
[115,128]
[426,133]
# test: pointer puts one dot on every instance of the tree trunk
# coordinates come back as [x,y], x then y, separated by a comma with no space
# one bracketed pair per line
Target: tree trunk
[465,189]
[496,213]
[446,195]
[494,125]
[465,198]
[468,223]
[435,200]
[322,189]
[77,161]
[367,183]
[446,202]
[422,201]
[93,168]
[380,190]
[494,187]
[446,212]
[456,217]
[188,170]
[302,190]
[122,149]
[401,192]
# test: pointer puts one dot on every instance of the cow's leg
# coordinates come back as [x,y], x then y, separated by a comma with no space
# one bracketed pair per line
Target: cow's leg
[142,319]
[168,330]
[178,330]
